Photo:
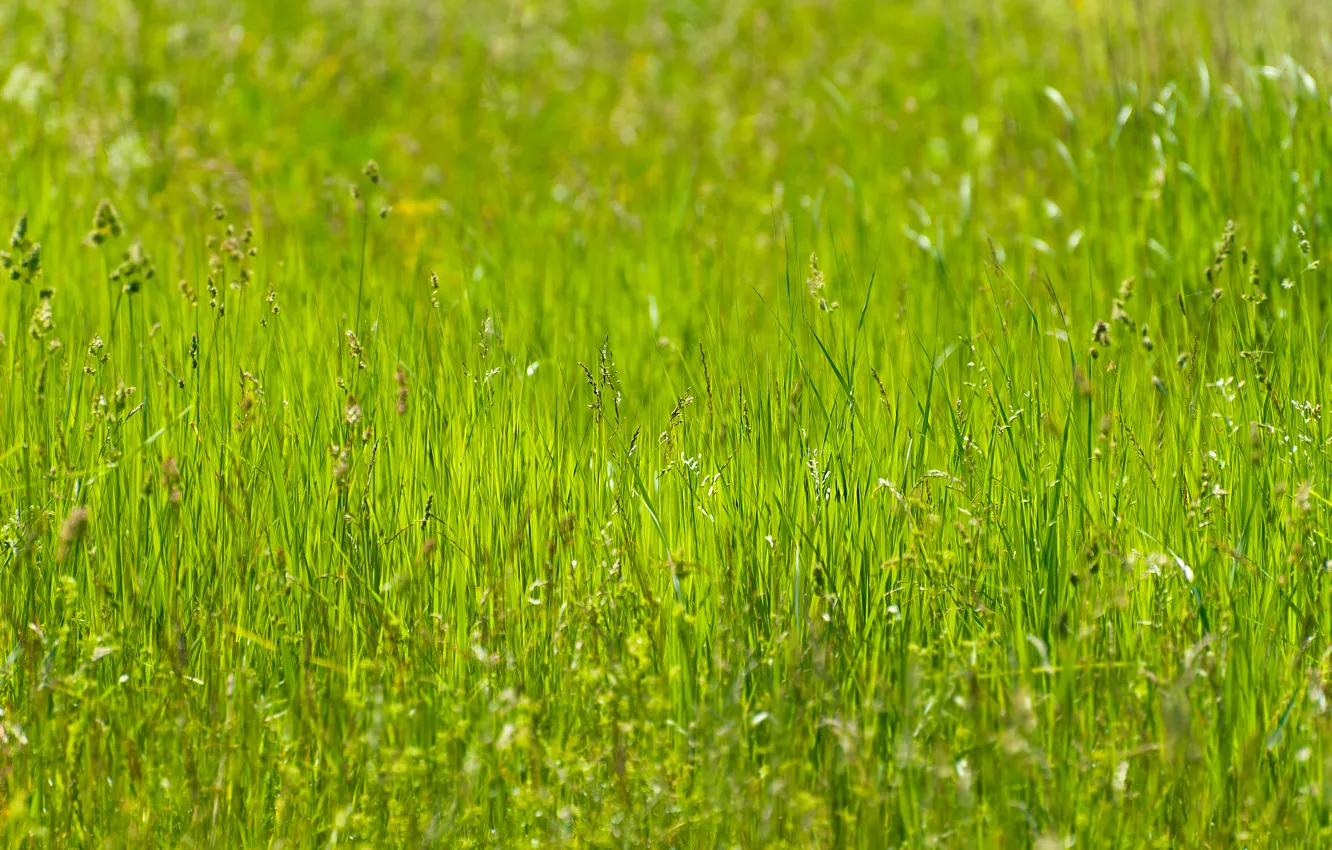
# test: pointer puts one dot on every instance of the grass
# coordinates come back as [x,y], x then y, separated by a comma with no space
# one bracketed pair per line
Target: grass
[709,424]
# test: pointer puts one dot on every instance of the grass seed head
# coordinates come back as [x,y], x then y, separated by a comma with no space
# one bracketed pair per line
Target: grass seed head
[42,322]
[72,530]
[400,378]
[341,467]
[1119,314]
[1101,333]
[355,349]
[106,224]
[816,284]
[1081,381]
[25,263]
[596,405]
[1305,247]
[134,270]
[19,237]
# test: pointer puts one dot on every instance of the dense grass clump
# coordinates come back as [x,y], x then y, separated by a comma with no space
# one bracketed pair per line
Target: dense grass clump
[682,424]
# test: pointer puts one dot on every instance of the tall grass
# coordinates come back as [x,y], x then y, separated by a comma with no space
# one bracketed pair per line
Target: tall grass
[701,424]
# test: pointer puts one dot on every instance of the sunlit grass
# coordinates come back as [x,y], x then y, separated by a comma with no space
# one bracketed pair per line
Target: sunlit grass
[697,425]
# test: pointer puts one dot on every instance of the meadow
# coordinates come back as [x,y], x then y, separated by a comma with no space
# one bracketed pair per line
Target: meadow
[665,423]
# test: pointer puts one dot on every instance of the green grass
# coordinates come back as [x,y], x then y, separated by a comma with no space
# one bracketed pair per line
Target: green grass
[617,535]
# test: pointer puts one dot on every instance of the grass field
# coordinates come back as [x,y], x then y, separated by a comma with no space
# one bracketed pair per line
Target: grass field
[665,424]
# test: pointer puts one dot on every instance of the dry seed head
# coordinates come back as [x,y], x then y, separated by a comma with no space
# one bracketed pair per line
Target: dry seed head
[341,466]
[42,322]
[1302,502]
[95,352]
[355,349]
[71,530]
[1305,247]
[1118,314]
[400,378]
[1080,381]
[815,283]
[1101,333]
[371,170]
